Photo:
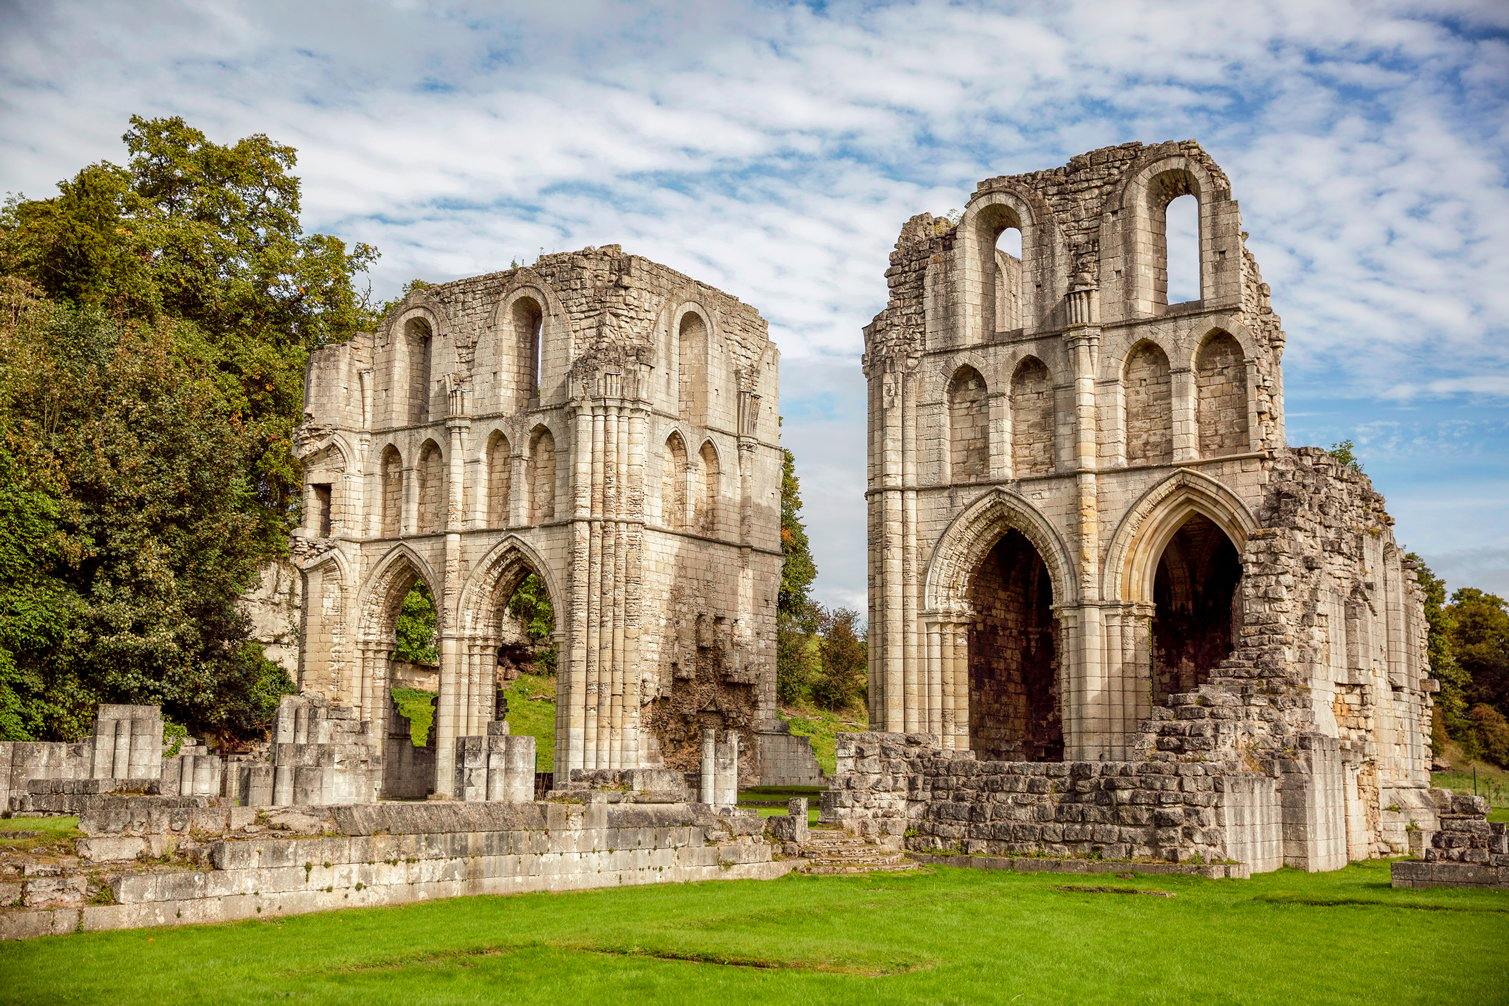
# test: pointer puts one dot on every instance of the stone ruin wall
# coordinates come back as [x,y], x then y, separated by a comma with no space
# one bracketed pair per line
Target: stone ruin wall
[1080,434]
[636,473]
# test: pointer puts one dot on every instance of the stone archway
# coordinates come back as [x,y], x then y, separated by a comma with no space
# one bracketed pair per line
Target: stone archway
[1014,688]
[1196,607]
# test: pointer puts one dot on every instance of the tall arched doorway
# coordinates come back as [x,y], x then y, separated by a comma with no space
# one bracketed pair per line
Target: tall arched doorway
[1196,606]
[1013,657]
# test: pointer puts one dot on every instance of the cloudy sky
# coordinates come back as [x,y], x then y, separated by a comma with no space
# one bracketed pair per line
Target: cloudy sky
[774,150]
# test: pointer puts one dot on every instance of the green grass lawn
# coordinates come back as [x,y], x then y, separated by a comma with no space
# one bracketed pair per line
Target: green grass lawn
[822,727]
[531,712]
[527,715]
[947,936]
[51,831]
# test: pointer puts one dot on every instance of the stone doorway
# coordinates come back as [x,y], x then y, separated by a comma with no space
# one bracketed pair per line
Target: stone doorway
[1013,657]
[1197,607]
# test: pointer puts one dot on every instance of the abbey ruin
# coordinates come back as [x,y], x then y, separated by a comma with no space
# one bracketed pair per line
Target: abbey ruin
[1115,622]
[1094,559]
[595,419]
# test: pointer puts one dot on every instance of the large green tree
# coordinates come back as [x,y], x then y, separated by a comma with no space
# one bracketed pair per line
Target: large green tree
[156,319]
[208,235]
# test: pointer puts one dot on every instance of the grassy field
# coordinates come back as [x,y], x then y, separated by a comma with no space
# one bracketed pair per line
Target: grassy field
[822,727]
[531,711]
[945,936]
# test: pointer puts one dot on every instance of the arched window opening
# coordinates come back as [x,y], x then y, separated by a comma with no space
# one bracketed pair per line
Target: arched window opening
[1008,280]
[1013,657]
[413,692]
[499,480]
[696,371]
[541,477]
[431,485]
[1149,406]
[528,330]
[968,427]
[321,497]
[392,492]
[1221,396]
[673,483]
[1181,243]
[524,685]
[418,346]
[1197,610]
[1031,419]
[708,476]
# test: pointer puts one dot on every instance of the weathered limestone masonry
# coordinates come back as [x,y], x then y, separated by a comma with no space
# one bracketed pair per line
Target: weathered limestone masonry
[596,419]
[1467,851]
[1103,592]
[216,863]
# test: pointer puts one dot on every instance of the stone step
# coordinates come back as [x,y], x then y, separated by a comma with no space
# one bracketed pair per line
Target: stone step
[837,869]
[845,853]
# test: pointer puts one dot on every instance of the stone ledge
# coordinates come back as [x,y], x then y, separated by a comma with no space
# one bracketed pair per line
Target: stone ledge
[1027,864]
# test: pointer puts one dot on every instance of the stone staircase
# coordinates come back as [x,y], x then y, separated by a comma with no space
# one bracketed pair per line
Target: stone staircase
[830,851]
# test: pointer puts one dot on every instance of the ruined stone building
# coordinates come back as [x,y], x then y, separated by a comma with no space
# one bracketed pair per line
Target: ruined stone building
[595,419]
[1092,555]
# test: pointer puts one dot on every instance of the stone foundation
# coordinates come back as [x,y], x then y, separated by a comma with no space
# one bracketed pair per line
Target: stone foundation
[1467,851]
[948,802]
[229,863]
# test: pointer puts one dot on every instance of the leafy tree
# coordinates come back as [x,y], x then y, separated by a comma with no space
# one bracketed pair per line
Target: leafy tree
[1346,452]
[530,603]
[136,531]
[156,320]
[1480,641]
[1450,701]
[209,235]
[842,681]
[417,642]
[796,615]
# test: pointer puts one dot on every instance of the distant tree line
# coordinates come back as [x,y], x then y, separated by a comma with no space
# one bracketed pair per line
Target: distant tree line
[1468,642]
[155,319]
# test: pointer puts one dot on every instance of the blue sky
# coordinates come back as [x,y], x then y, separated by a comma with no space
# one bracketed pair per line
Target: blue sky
[774,150]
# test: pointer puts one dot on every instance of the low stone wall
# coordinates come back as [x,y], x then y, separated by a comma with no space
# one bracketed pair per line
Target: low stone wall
[1467,851]
[946,801]
[370,855]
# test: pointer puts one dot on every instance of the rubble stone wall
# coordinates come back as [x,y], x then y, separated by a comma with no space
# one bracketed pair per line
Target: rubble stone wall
[243,865]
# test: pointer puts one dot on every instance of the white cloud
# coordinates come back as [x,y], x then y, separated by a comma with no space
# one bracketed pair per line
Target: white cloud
[775,151]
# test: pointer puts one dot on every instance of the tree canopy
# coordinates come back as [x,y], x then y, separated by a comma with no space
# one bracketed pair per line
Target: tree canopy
[156,318]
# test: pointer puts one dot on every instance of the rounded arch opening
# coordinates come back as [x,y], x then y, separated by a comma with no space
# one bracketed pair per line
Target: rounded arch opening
[1196,606]
[499,462]
[968,426]
[391,490]
[696,378]
[1014,701]
[430,479]
[528,320]
[1032,420]
[418,340]
[541,476]
[1221,396]
[1149,400]
[673,475]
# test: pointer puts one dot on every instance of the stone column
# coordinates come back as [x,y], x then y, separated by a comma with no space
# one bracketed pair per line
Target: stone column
[451,713]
